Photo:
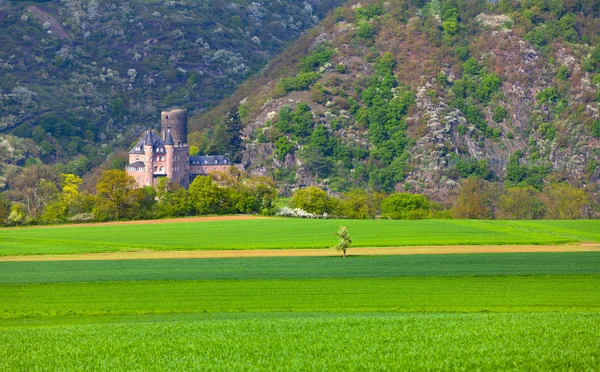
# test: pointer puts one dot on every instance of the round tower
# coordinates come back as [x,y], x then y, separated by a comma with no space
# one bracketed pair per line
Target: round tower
[177,120]
[148,159]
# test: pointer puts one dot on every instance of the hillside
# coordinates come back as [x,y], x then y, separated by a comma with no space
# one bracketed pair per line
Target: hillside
[410,95]
[84,77]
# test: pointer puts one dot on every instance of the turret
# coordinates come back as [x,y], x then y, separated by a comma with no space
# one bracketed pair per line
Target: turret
[169,144]
[148,155]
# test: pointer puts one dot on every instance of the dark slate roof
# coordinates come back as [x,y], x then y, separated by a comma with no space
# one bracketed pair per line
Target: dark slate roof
[169,138]
[137,164]
[209,160]
[150,138]
[138,148]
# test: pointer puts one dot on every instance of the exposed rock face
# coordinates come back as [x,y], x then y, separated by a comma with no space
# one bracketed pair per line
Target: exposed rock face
[554,133]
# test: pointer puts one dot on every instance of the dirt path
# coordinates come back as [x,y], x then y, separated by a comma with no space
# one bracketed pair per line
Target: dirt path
[146,255]
[55,27]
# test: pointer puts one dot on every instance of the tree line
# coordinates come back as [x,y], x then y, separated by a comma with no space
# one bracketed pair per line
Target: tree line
[38,195]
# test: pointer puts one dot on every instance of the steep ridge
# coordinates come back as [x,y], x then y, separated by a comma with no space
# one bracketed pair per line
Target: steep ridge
[415,95]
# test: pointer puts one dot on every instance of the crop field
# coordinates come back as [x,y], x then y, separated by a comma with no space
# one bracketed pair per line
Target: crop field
[496,264]
[494,311]
[307,342]
[289,234]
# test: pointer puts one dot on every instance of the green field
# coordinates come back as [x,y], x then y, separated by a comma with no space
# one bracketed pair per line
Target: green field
[339,342]
[502,311]
[408,294]
[289,234]
[502,264]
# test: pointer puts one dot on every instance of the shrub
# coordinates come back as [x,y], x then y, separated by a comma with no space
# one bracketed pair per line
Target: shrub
[82,218]
[404,206]
[499,114]
[563,73]
[365,30]
[299,213]
[548,95]
[301,82]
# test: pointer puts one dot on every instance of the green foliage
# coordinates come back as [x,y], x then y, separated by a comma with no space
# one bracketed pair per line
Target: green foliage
[473,200]
[471,67]
[596,128]
[283,147]
[548,96]
[562,73]
[345,241]
[490,83]
[524,175]
[206,196]
[499,114]
[563,201]
[405,206]
[592,63]
[311,199]
[115,196]
[321,55]
[227,136]
[520,203]
[365,30]
[368,12]
[473,167]
[117,109]
[298,122]
[592,166]
[383,112]
[301,82]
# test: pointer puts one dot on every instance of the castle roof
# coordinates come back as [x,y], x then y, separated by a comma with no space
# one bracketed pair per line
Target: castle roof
[169,138]
[150,138]
[209,160]
[139,164]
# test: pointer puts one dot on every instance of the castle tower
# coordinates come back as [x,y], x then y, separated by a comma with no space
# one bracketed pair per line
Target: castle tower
[177,121]
[169,144]
[148,163]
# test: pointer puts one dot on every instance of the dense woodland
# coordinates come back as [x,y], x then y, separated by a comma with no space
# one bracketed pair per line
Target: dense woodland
[479,109]
[83,78]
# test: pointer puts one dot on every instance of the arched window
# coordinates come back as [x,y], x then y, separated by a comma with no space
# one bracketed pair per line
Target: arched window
[155,168]
[162,169]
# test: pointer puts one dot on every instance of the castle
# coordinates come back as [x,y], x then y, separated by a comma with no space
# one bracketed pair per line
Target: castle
[167,155]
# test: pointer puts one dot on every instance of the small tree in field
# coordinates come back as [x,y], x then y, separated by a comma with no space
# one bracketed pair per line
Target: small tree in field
[345,240]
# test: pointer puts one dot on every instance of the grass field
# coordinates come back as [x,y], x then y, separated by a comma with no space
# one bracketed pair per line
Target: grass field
[289,234]
[496,311]
[340,342]
[407,294]
[502,264]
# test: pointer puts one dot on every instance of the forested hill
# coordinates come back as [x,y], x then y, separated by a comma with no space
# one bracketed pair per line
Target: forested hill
[85,76]
[415,95]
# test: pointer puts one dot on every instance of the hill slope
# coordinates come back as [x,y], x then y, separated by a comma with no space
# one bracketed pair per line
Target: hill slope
[417,95]
[78,74]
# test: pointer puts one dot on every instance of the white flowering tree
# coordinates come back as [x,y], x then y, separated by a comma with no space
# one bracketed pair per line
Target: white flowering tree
[345,240]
